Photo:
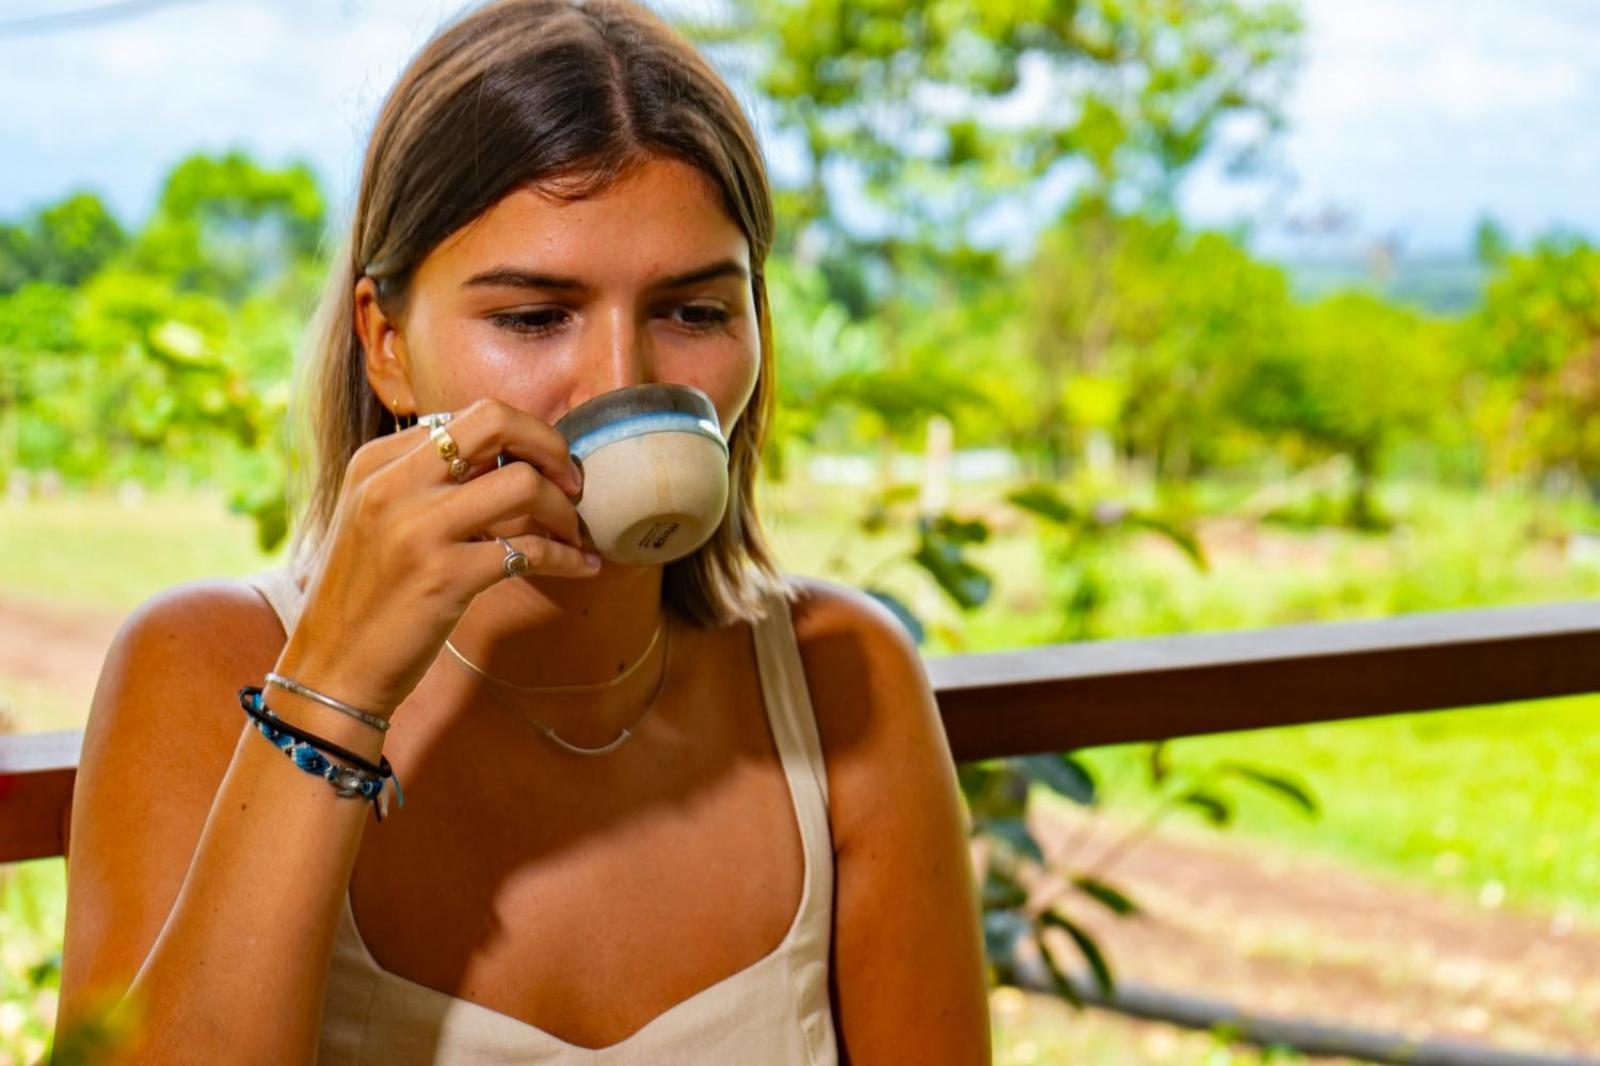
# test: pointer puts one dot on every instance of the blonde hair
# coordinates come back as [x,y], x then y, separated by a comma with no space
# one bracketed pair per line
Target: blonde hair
[564,95]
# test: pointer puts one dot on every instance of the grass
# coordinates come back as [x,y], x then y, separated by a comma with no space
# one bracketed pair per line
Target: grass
[1492,804]
[33,902]
[89,551]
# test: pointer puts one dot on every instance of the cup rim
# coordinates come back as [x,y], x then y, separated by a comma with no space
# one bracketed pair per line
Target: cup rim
[652,398]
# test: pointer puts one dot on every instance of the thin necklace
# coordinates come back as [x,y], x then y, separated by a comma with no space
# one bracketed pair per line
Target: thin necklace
[590,687]
[627,731]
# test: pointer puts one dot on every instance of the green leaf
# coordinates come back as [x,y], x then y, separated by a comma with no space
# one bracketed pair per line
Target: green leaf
[1111,898]
[1183,539]
[1062,774]
[1001,929]
[1213,807]
[898,608]
[1275,783]
[1159,765]
[965,583]
[1001,892]
[1087,947]
[1014,832]
[1063,985]
[1046,502]
[957,530]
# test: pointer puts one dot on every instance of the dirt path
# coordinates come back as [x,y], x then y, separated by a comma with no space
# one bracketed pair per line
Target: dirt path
[1224,918]
[49,650]
[1300,935]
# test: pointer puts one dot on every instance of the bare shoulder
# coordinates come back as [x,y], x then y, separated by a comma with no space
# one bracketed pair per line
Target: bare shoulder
[161,730]
[827,615]
[171,654]
[173,650]
[874,707]
[852,646]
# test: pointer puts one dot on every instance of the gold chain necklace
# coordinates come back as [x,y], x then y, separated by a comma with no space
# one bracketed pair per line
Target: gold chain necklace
[627,731]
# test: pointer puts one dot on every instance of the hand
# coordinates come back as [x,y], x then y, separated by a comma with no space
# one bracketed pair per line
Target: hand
[409,548]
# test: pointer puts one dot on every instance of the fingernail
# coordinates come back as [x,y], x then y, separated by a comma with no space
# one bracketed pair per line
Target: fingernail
[592,559]
[577,475]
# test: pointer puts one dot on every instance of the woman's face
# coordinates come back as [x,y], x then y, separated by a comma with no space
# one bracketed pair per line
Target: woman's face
[544,303]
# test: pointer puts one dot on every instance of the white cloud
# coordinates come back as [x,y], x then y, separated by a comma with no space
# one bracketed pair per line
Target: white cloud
[1420,116]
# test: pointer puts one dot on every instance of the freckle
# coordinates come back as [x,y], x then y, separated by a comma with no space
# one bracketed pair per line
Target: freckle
[242,806]
[586,612]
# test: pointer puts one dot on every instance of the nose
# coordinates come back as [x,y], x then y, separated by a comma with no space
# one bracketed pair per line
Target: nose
[613,354]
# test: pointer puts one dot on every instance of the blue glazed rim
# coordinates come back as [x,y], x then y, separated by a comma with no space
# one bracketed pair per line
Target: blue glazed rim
[639,425]
[656,407]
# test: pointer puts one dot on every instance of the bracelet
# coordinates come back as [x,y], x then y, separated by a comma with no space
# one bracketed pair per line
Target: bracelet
[291,685]
[306,751]
[255,705]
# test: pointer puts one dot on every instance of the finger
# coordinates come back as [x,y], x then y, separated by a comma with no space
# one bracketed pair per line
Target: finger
[379,452]
[546,557]
[490,426]
[517,490]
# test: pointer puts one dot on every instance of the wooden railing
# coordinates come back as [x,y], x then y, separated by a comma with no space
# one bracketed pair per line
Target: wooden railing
[1073,696]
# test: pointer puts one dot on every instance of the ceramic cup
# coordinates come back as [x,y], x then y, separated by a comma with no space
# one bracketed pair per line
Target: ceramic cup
[655,471]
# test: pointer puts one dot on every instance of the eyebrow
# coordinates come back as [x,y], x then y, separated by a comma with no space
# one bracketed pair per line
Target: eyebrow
[518,278]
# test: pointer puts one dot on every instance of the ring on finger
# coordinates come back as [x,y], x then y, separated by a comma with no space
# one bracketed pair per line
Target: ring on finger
[445,445]
[515,563]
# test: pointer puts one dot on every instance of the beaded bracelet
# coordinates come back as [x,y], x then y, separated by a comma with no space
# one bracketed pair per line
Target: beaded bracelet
[306,750]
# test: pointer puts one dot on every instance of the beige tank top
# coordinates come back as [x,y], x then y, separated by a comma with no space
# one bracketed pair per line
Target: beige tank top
[773,1012]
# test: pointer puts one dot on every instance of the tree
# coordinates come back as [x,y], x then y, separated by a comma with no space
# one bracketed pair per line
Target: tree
[61,244]
[1169,315]
[1355,374]
[1535,346]
[230,227]
[916,102]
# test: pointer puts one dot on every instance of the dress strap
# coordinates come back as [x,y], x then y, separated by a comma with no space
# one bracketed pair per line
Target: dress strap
[794,720]
[278,586]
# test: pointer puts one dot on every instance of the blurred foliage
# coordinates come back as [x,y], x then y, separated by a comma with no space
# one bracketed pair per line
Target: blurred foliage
[165,355]
[1534,348]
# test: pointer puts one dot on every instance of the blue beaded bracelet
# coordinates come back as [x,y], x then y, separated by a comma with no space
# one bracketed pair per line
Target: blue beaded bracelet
[306,750]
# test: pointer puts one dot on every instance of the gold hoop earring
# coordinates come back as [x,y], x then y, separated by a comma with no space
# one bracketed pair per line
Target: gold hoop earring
[399,420]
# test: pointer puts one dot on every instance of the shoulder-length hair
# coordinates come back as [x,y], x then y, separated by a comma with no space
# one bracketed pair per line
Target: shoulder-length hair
[565,96]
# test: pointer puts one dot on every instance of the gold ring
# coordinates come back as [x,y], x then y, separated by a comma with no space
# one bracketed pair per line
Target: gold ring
[443,442]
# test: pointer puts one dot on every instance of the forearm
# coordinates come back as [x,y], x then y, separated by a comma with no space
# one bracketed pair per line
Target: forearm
[239,969]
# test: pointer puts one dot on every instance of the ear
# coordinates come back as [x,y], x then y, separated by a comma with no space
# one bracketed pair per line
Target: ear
[387,362]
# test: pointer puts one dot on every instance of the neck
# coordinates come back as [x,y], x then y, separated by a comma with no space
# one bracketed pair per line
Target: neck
[579,631]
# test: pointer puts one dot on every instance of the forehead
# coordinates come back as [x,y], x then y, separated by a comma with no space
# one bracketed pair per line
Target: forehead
[661,216]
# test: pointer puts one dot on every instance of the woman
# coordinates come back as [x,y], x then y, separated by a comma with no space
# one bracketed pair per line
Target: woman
[740,840]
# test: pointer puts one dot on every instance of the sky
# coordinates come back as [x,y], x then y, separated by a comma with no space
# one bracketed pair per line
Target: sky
[1411,119]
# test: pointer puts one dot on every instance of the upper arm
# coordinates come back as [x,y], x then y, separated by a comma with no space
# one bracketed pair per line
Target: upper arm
[908,973]
[162,728]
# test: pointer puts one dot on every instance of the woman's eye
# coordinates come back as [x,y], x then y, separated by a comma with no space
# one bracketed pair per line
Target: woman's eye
[696,317]
[537,322]
[704,316]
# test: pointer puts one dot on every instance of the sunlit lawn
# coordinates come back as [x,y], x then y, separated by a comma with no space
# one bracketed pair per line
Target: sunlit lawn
[1497,802]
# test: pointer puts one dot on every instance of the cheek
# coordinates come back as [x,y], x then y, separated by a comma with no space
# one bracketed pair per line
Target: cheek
[730,387]
[464,360]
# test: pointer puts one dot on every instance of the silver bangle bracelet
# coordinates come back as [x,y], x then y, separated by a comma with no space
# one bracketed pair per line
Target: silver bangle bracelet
[291,685]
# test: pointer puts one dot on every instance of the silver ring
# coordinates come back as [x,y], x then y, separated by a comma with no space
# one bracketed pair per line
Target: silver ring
[515,564]
[435,420]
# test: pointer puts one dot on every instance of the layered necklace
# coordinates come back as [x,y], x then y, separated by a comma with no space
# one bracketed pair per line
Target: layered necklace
[500,683]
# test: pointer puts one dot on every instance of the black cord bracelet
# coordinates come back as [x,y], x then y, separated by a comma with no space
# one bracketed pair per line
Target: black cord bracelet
[251,694]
